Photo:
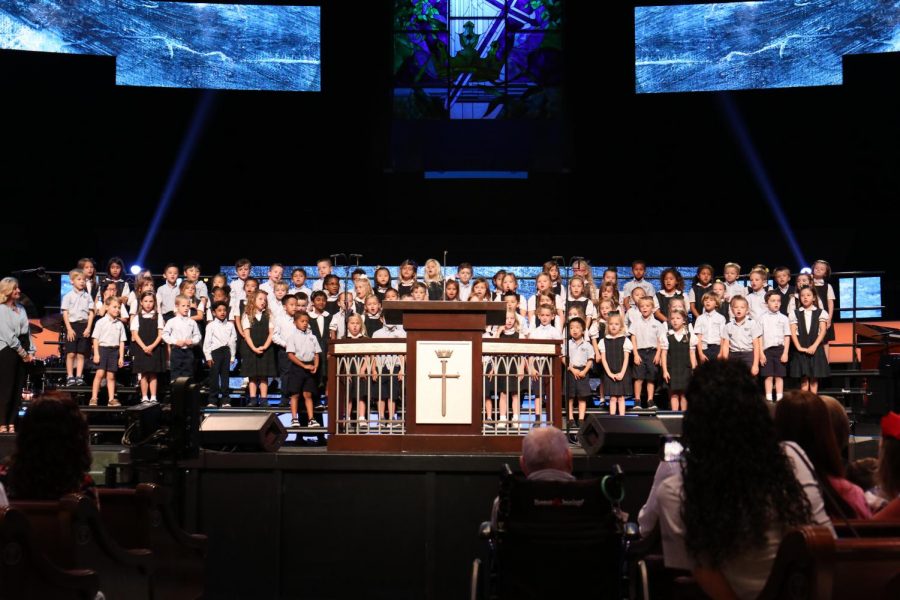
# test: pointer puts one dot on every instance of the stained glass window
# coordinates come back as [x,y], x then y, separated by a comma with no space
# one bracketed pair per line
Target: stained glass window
[477,59]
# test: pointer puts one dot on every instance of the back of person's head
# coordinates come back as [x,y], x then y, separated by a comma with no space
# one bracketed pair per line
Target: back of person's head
[863,472]
[545,448]
[802,417]
[889,456]
[737,479]
[840,423]
[53,451]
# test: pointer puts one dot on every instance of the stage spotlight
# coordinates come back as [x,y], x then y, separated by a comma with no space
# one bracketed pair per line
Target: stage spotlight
[135,269]
[739,129]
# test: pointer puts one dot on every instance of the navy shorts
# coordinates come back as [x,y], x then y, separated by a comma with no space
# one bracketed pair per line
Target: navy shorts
[109,359]
[646,371]
[298,380]
[743,357]
[81,344]
[773,367]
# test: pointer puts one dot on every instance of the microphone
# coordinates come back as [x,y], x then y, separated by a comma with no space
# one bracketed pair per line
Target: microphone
[444,279]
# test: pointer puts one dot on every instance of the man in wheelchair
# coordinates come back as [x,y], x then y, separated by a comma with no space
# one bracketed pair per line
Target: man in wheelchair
[550,534]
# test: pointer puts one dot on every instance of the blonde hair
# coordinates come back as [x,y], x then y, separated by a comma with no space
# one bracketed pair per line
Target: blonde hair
[250,307]
[367,287]
[589,277]
[761,271]
[425,278]
[644,299]
[112,300]
[281,284]
[76,273]
[7,285]
[738,298]
[678,311]
[517,325]
[615,315]
[732,265]
[362,324]
[714,296]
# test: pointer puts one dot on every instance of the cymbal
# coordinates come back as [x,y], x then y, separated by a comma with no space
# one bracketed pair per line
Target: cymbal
[53,322]
[34,328]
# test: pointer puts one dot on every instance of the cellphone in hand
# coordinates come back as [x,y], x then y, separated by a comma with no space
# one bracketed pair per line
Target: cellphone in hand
[670,448]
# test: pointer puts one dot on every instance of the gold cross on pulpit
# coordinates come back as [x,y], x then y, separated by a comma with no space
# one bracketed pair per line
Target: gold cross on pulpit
[443,355]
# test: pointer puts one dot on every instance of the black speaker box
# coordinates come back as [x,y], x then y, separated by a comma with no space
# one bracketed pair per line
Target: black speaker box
[618,434]
[254,431]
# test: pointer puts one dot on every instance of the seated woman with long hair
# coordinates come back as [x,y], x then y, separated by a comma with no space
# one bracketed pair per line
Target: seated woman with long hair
[802,417]
[739,491]
[53,454]
[889,467]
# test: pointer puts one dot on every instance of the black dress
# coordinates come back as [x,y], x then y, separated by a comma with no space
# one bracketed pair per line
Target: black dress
[505,379]
[155,362]
[615,358]
[372,325]
[699,291]
[435,290]
[802,364]
[678,362]
[258,365]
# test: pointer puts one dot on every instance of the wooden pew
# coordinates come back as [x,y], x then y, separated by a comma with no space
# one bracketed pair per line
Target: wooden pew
[867,528]
[812,564]
[70,533]
[26,573]
[143,518]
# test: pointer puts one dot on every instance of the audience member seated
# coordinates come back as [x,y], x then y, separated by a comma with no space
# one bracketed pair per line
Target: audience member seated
[545,457]
[802,417]
[889,467]
[723,511]
[864,473]
[53,453]
[840,425]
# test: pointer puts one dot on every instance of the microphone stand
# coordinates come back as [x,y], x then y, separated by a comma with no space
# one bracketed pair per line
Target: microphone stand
[443,278]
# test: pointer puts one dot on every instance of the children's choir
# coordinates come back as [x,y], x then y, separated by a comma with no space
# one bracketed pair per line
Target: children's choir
[633,337]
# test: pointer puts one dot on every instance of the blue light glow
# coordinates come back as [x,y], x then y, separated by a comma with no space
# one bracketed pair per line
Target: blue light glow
[176,44]
[748,45]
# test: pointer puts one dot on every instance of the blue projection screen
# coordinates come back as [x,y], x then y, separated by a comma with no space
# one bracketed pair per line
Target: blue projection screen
[750,45]
[176,44]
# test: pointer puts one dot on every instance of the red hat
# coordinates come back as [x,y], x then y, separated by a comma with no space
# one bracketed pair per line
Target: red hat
[890,425]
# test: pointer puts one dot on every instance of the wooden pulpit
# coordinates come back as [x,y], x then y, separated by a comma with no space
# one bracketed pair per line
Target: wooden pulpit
[443,380]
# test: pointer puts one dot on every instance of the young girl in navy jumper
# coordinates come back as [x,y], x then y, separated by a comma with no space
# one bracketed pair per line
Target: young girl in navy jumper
[702,283]
[148,350]
[551,268]
[615,350]
[679,358]
[372,319]
[672,287]
[257,354]
[808,326]
[504,382]
[820,275]
[434,280]
[407,278]
[382,282]
[451,291]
